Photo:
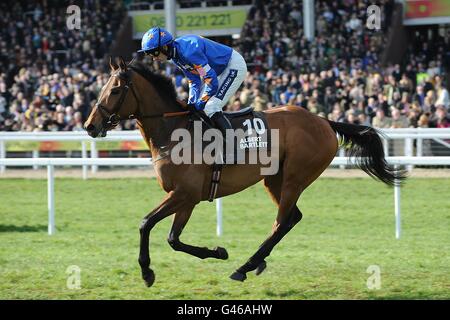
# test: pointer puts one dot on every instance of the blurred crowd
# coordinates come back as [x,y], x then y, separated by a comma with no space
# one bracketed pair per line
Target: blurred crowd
[50,76]
[338,75]
[50,73]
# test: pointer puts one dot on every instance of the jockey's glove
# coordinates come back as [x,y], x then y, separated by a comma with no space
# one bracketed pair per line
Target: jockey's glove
[191,106]
[200,105]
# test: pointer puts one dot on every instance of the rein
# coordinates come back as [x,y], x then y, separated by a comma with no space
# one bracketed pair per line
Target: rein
[111,118]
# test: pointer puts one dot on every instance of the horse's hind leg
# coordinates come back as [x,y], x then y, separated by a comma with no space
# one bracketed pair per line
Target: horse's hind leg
[179,221]
[285,195]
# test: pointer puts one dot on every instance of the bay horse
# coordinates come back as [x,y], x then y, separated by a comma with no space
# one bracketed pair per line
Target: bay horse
[307,145]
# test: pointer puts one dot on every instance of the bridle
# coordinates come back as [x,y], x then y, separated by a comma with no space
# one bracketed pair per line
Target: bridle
[110,119]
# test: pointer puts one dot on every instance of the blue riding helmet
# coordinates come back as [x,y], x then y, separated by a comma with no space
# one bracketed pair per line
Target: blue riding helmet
[154,39]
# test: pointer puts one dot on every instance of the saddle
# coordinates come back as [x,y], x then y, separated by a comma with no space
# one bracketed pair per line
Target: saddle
[239,113]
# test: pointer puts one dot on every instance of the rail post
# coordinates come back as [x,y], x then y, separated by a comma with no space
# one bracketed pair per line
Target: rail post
[94,154]
[397,207]
[219,216]
[2,155]
[84,156]
[35,155]
[51,199]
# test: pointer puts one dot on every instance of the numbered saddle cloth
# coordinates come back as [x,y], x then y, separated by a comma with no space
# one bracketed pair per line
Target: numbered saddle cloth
[251,134]
[203,143]
[245,144]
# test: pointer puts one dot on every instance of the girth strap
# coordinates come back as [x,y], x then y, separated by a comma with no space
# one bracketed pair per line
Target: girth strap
[215,180]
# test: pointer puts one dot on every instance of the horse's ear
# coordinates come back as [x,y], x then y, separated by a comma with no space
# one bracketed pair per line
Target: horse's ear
[113,64]
[122,64]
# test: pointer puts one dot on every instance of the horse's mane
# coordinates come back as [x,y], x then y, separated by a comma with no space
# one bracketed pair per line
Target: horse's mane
[162,84]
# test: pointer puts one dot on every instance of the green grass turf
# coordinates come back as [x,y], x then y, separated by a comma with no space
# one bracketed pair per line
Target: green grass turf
[348,225]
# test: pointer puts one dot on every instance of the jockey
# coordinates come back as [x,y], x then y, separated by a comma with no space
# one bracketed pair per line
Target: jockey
[214,71]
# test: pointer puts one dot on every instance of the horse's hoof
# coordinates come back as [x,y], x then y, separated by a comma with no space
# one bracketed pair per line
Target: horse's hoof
[238,276]
[261,267]
[149,277]
[222,253]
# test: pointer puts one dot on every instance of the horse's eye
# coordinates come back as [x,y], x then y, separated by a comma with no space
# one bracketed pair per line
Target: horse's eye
[115,91]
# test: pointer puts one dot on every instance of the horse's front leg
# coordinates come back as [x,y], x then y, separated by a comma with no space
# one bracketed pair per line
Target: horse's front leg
[179,222]
[173,202]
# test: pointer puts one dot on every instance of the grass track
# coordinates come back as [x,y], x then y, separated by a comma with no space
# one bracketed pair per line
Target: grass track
[348,225]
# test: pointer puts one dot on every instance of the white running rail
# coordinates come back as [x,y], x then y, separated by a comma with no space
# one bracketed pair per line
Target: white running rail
[406,134]
[52,162]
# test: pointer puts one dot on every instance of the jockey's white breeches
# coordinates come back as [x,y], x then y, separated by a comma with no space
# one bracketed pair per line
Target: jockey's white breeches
[229,82]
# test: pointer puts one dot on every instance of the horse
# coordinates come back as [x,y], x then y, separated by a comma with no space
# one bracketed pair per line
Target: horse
[307,145]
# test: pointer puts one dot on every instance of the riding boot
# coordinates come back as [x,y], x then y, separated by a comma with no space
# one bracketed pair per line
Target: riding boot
[222,123]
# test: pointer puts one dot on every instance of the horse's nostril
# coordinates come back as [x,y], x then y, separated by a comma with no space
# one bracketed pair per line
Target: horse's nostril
[90,128]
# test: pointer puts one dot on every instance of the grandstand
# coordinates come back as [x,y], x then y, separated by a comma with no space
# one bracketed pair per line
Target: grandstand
[50,75]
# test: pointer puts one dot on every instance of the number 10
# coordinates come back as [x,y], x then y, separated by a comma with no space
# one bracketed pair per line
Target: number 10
[258,124]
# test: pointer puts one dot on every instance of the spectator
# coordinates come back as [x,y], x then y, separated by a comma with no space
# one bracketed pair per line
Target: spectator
[351,118]
[235,106]
[380,120]
[423,121]
[441,119]
[363,119]
[441,93]
[259,100]
[398,120]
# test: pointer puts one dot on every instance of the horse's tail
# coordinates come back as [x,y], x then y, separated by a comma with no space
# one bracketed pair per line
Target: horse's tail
[365,145]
